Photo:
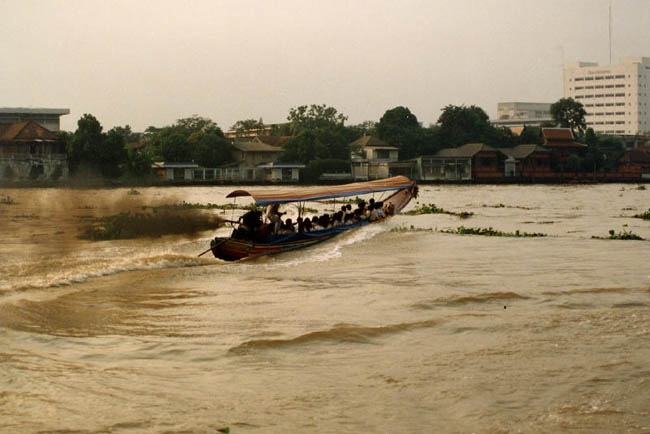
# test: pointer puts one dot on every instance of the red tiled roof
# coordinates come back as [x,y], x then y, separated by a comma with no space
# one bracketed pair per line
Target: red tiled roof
[560,137]
[27,131]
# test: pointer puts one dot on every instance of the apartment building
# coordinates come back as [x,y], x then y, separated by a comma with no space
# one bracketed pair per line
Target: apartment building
[616,97]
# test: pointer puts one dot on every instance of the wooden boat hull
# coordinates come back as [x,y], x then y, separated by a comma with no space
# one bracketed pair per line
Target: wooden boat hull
[233,249]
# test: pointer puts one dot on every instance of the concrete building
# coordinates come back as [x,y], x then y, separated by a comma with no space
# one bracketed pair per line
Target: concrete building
[616,97]
[521,114]
[46,117]
[371,158]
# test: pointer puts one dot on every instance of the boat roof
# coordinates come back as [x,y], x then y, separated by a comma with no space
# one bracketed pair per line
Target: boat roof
[268,197]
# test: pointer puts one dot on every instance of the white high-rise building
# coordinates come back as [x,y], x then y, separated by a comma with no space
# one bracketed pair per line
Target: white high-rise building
[616,97]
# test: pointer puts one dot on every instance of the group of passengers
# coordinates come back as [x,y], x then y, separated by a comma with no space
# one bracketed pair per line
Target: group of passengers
[252,226]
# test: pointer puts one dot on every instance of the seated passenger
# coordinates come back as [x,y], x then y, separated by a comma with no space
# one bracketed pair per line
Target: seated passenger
[374,212]
[301,225]
[307,225]
[377,212]
[315,224]
[389,209]
[336,219]
[324,221]
[287,227]
[359,214]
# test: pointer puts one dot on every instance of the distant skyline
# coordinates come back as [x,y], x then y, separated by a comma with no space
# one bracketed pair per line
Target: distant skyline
[151,62]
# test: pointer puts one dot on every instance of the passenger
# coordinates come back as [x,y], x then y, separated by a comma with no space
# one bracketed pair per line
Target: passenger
[307,225]
[376,212]
[336,219]
[359,214]
[362,206]
[315,224]
[250,222]
[273,216]
[389,209]
[324,221]
[371,205]
[348,209]
[301,225]
[287,227]
[379,206]
[349,219]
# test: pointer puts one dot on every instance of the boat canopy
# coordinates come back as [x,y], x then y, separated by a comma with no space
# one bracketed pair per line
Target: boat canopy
[268,197]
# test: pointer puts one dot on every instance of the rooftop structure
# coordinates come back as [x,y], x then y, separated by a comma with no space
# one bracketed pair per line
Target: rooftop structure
[45,117]
[616,97]
[520,114]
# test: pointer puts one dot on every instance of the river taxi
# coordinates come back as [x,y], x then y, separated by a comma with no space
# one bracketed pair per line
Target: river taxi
[400,188]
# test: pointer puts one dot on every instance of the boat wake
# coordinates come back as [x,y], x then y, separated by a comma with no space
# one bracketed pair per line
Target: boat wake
[58,272]
[325,251]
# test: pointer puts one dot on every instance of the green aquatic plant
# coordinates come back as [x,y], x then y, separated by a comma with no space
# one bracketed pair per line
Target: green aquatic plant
[411,228]
[500,205]
[641,187]
[644,215]
[490,232]
[133,192]
[431,208]
[624,235]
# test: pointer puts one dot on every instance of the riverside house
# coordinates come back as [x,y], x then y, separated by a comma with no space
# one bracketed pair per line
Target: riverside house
[371,158]
[30,151]
[473,161]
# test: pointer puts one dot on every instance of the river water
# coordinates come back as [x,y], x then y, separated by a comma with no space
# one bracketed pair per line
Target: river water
[378,331]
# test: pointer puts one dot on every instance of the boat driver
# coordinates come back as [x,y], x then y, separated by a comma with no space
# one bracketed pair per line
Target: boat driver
[273,215]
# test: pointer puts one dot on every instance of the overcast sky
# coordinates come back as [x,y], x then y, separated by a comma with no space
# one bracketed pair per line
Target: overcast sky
[151,62]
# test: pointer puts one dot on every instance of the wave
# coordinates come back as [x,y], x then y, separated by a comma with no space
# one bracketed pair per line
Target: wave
[587,291]
[338,334]
[73,273]
[468,299]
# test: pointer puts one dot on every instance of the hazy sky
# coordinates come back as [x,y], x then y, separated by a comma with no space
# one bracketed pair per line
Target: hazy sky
[151,62]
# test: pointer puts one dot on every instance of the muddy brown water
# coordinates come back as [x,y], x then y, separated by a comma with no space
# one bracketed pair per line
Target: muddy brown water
[378,331]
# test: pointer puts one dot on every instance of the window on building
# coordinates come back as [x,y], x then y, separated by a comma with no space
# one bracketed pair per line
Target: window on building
[383,154]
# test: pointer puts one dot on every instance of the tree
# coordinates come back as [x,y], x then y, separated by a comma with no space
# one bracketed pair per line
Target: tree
[80,146]
[399,127]
[138,163]
[569,113]
[109,153]
[195,139]
[248,125]
[174,148]
[314,117]
[210,148]
[318,132]
[461,124]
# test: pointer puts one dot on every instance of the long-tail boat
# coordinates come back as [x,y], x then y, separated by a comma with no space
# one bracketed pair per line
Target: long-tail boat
[235,247]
